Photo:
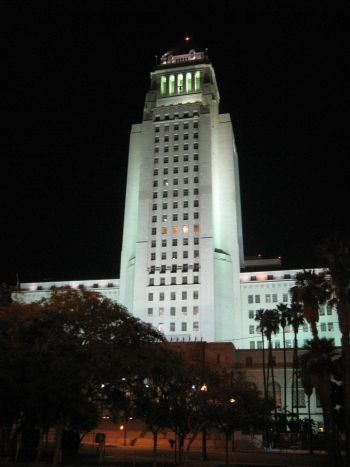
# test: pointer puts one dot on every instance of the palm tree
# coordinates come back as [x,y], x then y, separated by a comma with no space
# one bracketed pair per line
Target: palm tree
[259,316]
[295,319]
[311,290]
[284,312]
[269,324]
[316,368]
[335,252]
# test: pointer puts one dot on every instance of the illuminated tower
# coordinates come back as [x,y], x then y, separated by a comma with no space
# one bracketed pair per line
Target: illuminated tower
[182,241]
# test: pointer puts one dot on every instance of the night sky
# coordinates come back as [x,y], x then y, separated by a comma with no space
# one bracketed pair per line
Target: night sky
[75,76]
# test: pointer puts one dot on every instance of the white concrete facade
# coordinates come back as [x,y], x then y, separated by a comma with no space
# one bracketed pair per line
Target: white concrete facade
[182,245]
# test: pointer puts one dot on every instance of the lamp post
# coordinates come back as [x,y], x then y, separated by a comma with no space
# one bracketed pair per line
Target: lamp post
[204,389]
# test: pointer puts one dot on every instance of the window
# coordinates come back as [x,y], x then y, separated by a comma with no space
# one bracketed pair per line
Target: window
[165,171]
[162,281]
[183,326]
[176,170]
[185,241]
[196,240]
[252,345]
[185,157]
[156,150]
[184,280]
[176,126]
[260,345]
[184,267]
[329,309]
[251,329]
[277,345]
[153,256]
[195,146]
[154,218]
[251,314]
[174,217]
[151,281]
[164,230]
[155,184]
[185,192]
[195,279]
[163,255]
[161,296]
[196,203]
[163,269]
[171,85]
[186,124]
[175,193]
[175,205]
[180,83]
[184,310]
[185,216]
[274,298]
[268,298]
[164,243]
[150,297]
[185,136]
[154,207]
[156,139]
[186,168]
[323,327]
[175,230]
[321,311]
[173,280]
[150,311]
[195,294]
[172,327]
[197,81]
[172,311]
[165,194]
[174,255]
[166,160]
[164,218]
[176,138]
[196,267]
[155,195]
[257,298]
[161,327]
[285,297]
[166,149]
[165,182]
[152,269]
[195,326]
[156,160]
[155,172]
[330,327]
[196,215]
[174,242]
[153,244]
[195,191]
[173,268]
[186,181]
[184,295]
[172,295]
[196,310]
[195,157]
[166,138]
[195,168]
[163,85]
[196,253]
[250,299]
[188,82]
[161,311]
[154,231]
[185,229]
[185,148]
[156,129]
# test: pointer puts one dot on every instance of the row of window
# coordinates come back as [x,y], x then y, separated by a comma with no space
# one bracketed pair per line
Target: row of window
[174,242]
[269,298]
[175,137]
[176,159]
[179,84]
[173,281]
[175,127]
[175,229]
[175,193]
[175,181]
[172,311]
[172,327]
[277,344]
[175,205]
[172,296]
[173,268]
[174,254]
[324,327]
[174,217]
[176,115]
[176,147]
[185,169]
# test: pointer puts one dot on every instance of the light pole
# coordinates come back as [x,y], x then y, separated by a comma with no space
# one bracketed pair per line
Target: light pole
[204,389]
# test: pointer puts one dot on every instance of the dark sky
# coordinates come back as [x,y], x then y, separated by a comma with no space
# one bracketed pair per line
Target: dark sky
[76,73]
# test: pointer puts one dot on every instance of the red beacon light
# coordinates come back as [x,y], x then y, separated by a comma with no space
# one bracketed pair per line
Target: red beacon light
[187,38]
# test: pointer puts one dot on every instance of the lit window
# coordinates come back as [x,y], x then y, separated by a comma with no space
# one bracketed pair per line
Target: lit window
[163,85]
[196,228]
[197,81]
[175,230]
[188,82]
[185,229]
[161,311]
[183,326]
[171,85]
[164,218]
[164,230]
[180,83]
